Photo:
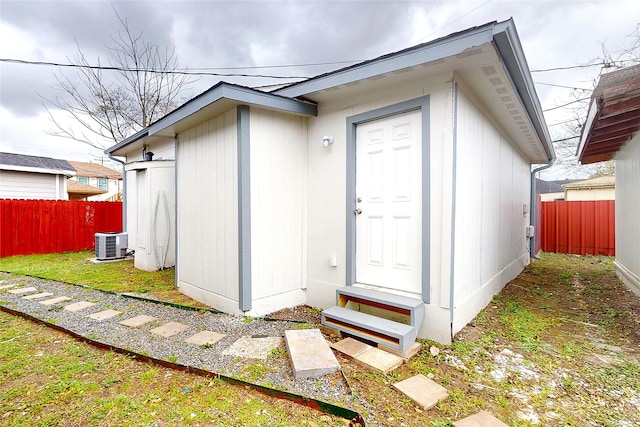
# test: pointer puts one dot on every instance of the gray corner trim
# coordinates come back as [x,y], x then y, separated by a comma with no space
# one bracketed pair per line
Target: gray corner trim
[454,171]
[417,55]
[176,217]
[244,209]
[421,104]
[509,48]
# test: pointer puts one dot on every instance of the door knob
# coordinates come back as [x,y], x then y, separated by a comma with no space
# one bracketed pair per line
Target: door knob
[358,211]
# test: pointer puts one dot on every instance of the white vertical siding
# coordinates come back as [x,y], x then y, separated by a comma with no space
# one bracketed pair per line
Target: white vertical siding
[29,185]
[492,187]
[278,195]
[208,209]
[627,208]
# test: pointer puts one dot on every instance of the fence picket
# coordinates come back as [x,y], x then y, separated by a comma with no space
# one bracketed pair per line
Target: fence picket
[54,226]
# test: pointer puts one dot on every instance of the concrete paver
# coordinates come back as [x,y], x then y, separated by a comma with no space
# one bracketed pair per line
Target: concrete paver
[77,306]
[21,291]
[425,392]
[6,287]
[103,315]
[56,300]
[407,354]
[136,322]
[38,295]
[481,419]
[169,329]
[253,348]
[380,360]
[350,347]
[205,338]
[310,354]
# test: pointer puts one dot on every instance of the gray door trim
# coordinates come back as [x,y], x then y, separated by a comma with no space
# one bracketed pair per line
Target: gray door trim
[421,104]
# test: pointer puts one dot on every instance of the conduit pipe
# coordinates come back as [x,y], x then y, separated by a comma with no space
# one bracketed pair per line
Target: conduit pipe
[532,208]
[124,191]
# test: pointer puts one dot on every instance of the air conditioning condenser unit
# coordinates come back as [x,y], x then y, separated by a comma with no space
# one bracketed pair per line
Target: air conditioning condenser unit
[111,245]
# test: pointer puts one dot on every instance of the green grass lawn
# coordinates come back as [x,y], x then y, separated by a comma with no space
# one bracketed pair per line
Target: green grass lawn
[121,276]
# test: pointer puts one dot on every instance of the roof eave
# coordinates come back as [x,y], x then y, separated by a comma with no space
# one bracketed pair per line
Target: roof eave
[508,45]
[222,90]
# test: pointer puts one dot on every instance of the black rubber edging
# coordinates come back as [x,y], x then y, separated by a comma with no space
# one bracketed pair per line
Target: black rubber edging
[354,417]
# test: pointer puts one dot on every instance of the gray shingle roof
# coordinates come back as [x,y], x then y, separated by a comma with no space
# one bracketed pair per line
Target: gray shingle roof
[23,160]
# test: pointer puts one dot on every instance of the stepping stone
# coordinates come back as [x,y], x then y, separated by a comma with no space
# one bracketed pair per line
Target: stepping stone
[310,354]
[481,419]
[6,287]
[21,291]
[55,300]
[379,360]
[106,314]
[169,329]
[253,348]
[425,392]
[350,347]
[205,338]
[36,296]
[136,322]
[78,306]
[407,354]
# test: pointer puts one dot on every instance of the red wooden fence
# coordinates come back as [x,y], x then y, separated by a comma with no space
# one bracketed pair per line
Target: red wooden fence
[54,226]
[584,227]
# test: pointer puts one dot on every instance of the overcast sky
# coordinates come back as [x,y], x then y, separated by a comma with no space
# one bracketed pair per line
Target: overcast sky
[554,34]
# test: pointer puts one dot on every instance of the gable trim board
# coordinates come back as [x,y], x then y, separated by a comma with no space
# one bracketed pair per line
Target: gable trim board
[419,104]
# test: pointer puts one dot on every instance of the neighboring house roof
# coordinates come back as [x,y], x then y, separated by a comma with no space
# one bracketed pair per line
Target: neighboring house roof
[545,187]
[75,187]
[600,182]
[217,99]
[25,163]
[95,170]
[489,58]
[614,115]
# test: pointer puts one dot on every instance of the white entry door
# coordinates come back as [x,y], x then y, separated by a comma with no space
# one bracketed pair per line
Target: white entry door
[389,202]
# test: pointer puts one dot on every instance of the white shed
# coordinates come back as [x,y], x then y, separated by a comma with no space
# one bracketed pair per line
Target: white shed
[33,177]
[612,131]
[405,178]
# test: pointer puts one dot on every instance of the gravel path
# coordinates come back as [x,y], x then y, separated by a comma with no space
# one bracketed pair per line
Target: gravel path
[215,358]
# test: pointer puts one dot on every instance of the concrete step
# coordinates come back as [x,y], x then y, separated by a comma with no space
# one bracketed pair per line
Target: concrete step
[390,306]
[377,329]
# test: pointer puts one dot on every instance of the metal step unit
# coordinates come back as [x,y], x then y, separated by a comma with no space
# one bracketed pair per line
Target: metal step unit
[388,319]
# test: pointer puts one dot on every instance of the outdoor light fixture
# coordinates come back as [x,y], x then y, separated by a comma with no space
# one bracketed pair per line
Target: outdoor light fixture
[327,141]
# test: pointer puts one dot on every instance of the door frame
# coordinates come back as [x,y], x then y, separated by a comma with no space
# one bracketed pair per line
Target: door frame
[417,104]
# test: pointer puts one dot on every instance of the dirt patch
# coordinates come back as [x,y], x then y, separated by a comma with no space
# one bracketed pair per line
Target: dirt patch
[301,313]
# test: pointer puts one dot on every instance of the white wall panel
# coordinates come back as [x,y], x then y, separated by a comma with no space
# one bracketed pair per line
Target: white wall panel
[28,185]
[278,202]
[208,208]
[491,191]
[627,213]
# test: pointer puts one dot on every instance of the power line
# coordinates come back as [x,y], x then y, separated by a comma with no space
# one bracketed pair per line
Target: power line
[568,103]
[561,86]
[145,70]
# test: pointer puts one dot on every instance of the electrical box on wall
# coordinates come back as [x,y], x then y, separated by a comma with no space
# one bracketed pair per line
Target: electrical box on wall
[529,230]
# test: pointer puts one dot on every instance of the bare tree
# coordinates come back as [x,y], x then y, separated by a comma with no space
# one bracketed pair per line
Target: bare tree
[140,84]
[568,136]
